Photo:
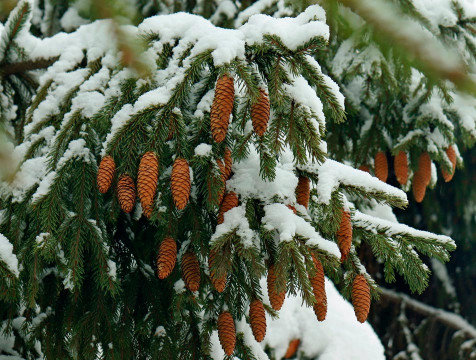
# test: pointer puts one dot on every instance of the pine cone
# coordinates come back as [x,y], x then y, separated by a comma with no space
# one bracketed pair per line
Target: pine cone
[276,299]
[424,167]
[451,153]
[401,167]
[319,290]
[381,166]
[227,332]
[292,348]
[260,113]
[126,193]
[228,163]
[258,320]
[361,298]
[147,181]
[180,183]
[344,235]
[166,258]
[230,201]
[222,107]
[364,168]
[218,283]
[303,191]
[191,271]
[106,171]
[418,187]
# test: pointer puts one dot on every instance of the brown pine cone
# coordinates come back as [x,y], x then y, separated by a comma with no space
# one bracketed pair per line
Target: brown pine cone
[451,153]
[319,290]
[258,320]
[303,191]
[126,193]
[219,283]
[180,183]
[381,166]
[226,332]
[418,187]
[361,298]
[260,113]
[424,167]
[228,163]
[166,258]
[344,235]
[147,181]
[222,107]
[292,348]
[276,299]
[106,171]
[364,168]
[191,271]
[230,200]
[401,167]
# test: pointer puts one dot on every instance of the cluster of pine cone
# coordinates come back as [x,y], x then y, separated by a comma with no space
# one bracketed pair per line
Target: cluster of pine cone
[421,178]
[222,108]
[147,178]
[361,290]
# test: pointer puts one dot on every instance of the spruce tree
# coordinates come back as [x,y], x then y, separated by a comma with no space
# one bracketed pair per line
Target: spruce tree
[170,156]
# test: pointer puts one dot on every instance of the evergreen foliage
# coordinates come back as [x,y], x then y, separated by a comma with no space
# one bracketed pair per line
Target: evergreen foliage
[87,286]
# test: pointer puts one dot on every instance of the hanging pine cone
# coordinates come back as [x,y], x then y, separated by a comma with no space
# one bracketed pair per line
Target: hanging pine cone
[424,167]
[319,290]
[106,171]
[228,163]
[276,299]
[292,348]
[451,153]
[303,191]
[260,113]
[222,107]
[381,166]
[401,167]
[191,271]
[166,258]
[147,180]
[226,332]
[230,200]
[361,298]
[258,320]
[180,183]
[344,235]
[219,283]
[364,168]
[418,187]
[126,193]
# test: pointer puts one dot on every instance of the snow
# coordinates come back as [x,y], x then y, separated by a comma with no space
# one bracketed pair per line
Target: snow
[392,229]
[279,217]
[71,20]
[303,93]
[226,44]
[332,174]
[203,150]
[44,186]
[340,336]
[30,174]
[7,255]
[76,149]
[235,220]
[248,183]
[112,269]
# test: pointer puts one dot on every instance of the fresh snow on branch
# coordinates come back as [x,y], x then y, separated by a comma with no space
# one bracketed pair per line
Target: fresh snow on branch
[7,255]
